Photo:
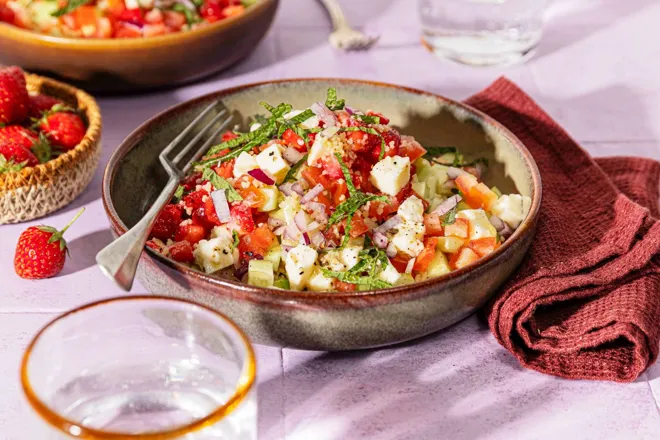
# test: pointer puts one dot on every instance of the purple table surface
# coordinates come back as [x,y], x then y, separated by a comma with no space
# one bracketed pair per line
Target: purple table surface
[596,72]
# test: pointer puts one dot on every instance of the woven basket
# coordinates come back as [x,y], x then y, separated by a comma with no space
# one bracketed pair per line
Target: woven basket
[37,191]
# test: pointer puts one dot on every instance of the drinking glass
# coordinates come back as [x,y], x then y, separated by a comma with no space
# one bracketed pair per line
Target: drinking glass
[142,367]
[482,32]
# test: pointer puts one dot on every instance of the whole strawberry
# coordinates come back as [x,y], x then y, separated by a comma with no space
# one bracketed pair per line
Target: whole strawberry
[18,154]
[41,251]
[62,128]
[14,101]
[39,104]
[18,135]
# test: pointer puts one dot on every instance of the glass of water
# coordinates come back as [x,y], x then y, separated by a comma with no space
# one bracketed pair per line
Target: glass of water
[143,367]
[482,32]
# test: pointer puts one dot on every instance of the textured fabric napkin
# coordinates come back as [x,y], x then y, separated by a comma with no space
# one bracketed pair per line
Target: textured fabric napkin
[585,302]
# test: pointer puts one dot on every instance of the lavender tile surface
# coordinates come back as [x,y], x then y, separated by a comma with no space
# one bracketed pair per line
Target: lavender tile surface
[596,72]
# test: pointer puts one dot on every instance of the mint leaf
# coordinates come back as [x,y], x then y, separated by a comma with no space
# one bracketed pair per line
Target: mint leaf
[178,194]
[70,6]
[236,239]
[291,174]
[450,216]
[191,15]
[332,102]
[371,262]
[220,183]
[302,117]
[367,119]
[432,152]
[347,175]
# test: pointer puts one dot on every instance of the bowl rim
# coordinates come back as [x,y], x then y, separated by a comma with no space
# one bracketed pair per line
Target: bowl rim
[91,138]
[292,297]
[122,44]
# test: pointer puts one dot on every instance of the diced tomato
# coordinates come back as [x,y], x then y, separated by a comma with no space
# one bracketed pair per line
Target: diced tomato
[426,256]
[480,196]
[194,200]
[483,246]
[174,20]
[333,235]
[323,199]
[331,167]
[253,197]
[340,190]
[256,243]
[105,28]
[211,10]
[362,182]
[260,217]
[133,16]
[225,169]
[314,176]
[293,140]
[154,16]
[460,228]
[383,119]
[191,233]
[210,212]
[228,135]
[412,150]
[182,251]
[462,258]
[358,227]
[381,210]
[167,222]
[231,11]
[124,31]
[392,145]
[85,16]
[6,14]
[154,30]
[400,262]
[242,214]
[361,141]
[465,182]
[433,225]
[341,286]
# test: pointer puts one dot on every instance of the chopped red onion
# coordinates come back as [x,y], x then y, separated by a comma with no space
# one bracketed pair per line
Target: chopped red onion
[481,169]
[286,188]
[317,239]
[261,176]
[389,224]
[380,240]
[391,250]
[301,221]
[275,222]
[446,206]
[453,172]
[349,110]
[221,206]
[279,231]
[306,238]
[497,222]
[298,189]
[292,232]
[292,155]
[313,225]
[317,211]
[318,189]
[325,114]
[286,247]
[410,265]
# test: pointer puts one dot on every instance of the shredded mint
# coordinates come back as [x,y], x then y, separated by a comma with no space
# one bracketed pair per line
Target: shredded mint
[450,216]
[367,119]
[347,175]
[192,17]
[236,239]
[178,194]
[220,183]
[248,3]
[70,6]
[370,131]
[291,174]
[332,102]
[433,152]
[371,262]
[302,117]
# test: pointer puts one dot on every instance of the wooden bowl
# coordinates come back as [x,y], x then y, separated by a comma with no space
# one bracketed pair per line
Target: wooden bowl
[332,320]
[124,65]
[34,192]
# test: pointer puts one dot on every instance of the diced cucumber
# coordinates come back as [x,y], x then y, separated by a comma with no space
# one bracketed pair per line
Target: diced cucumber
[419,188]
[497,191]
[440,173]
[462,206]
[431,186]
[438,266]
[423,168]
[450,245]
[260,273]
[319,282]
[279,215]
[406,278]
[435,202]
[271,198]
[274,255]
[290,205]
[282,283]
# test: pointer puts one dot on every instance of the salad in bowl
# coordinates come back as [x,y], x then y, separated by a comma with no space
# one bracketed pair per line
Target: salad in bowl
[332,198]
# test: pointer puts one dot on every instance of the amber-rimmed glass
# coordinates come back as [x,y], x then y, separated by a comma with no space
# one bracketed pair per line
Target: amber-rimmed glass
[143,367]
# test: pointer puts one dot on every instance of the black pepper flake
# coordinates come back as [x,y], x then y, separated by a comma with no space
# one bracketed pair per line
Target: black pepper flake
[272,153]
[224,251]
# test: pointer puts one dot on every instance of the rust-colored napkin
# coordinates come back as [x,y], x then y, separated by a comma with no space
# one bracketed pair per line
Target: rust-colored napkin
[585,303]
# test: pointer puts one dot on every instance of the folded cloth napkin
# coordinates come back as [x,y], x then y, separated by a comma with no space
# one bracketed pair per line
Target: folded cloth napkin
[585,302]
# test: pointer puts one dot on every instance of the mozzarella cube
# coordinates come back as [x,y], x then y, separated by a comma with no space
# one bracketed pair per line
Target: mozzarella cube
[244,163]
[391,174]
[411,210]
[480,226]
[332,261]
[222,232]
[299,264]
[318,282]
[271,193]
[390,275]
[214,254]
[350,256]
[271,161]
[321,145]
[512,208]
[409,238]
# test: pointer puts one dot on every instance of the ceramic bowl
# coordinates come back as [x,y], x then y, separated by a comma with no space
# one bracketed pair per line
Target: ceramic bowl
[124,65]
[332,320]
[34,192]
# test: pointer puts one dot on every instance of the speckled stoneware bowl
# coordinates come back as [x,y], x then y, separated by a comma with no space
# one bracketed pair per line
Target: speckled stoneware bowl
[332,321]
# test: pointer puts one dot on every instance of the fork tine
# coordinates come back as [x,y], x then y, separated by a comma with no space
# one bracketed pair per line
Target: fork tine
[184,133]
[197,137]
[207,144]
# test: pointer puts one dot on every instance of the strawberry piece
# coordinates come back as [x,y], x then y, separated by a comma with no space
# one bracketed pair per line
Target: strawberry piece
[392,145]
[182,251]
[167,222]
[133,16]
[191,233]
[15,134]
[41,251]
[211,10]
[194,200]
[7,14]
[39,104]
[65,130]
[242,214]
[14,99]
[191,181]
[383,119]
[18,154]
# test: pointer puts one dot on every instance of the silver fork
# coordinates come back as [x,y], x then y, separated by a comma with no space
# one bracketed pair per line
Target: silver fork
[344,36]
[119,260]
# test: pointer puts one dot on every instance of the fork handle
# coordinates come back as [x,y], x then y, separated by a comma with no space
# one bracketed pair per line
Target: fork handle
[336,15]
[119,260]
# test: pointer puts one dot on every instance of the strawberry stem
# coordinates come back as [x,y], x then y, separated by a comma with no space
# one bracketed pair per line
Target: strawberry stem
[71,222]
